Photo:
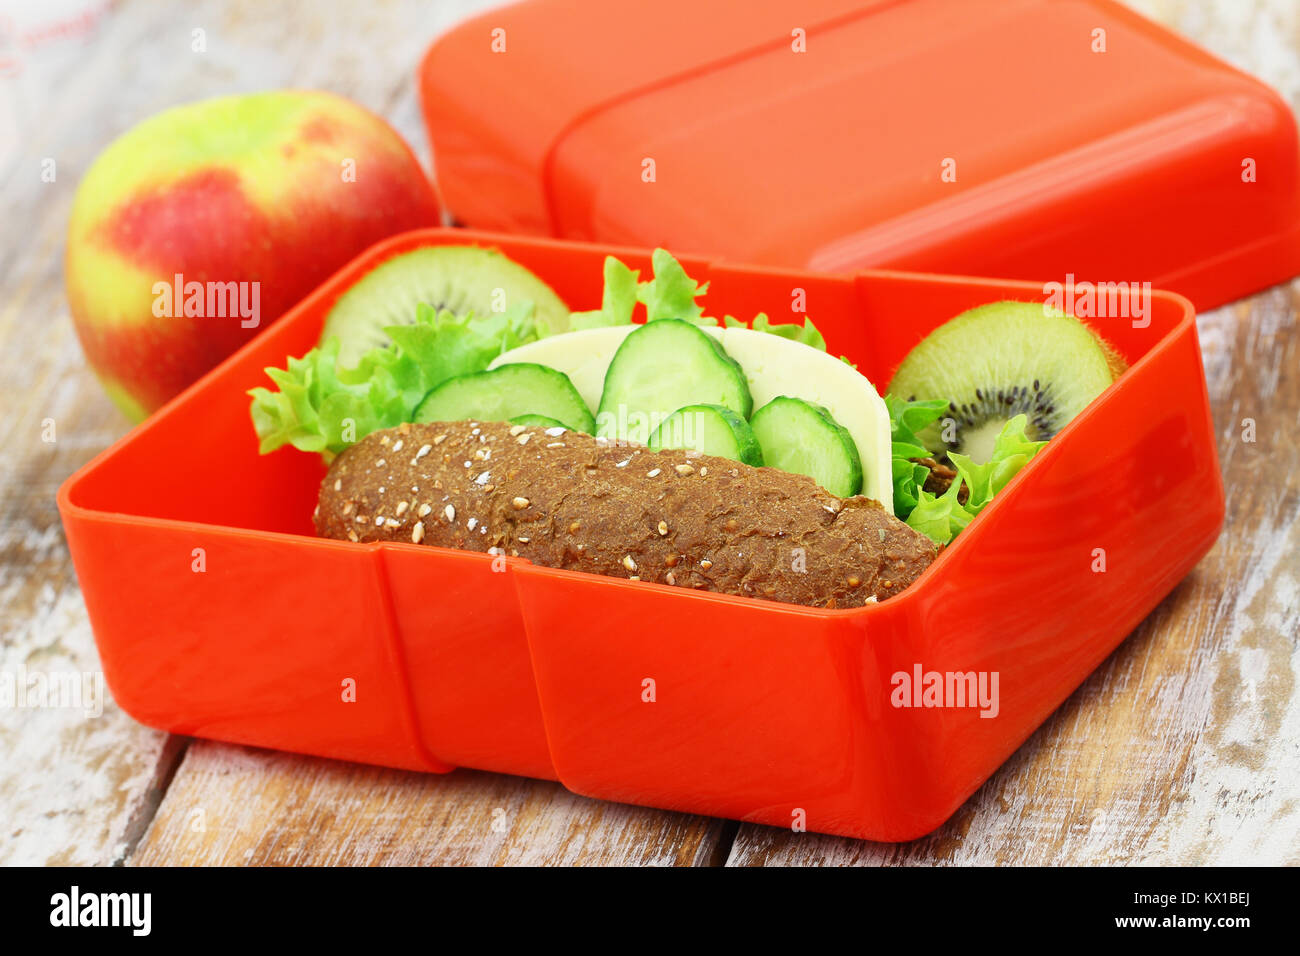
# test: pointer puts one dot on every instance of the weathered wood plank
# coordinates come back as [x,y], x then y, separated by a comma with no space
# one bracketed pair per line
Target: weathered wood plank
[235,805]
[75,771]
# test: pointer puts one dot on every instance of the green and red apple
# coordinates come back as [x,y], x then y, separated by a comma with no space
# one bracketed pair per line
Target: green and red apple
[202,225]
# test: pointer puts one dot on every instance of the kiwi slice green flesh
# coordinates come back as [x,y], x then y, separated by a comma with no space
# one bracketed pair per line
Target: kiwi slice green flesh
[458,278]
[1001,360]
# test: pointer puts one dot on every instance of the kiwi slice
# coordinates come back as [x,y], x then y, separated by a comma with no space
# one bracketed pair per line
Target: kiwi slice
[461,279]
[1001,360]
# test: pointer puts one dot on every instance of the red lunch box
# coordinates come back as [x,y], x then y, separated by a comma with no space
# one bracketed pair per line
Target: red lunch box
[218,614]
[1033,139]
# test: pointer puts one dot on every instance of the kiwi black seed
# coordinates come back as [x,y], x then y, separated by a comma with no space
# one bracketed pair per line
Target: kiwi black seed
[1001,360]
[459,278]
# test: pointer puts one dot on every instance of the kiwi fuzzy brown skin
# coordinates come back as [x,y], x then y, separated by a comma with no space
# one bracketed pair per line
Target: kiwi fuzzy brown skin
[1118,364]
[999,360]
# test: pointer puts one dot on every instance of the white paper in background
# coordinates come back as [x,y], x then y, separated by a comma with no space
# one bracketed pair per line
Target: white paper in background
[40,41]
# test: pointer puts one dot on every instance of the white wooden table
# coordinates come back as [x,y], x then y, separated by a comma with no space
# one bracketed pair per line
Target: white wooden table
[1183,747]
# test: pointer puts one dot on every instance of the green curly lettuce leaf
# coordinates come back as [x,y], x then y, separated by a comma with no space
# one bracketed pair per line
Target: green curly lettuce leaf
[940,517]
[617,302]
[943,517]
[672,294]
[806,333]
[1011,452]
[320,407]
[906,419]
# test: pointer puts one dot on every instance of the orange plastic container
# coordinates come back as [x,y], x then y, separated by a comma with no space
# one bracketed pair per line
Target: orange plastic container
[218,614]
[1025,138]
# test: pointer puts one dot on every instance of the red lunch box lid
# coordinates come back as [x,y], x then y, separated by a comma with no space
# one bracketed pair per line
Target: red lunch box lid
[1035,139]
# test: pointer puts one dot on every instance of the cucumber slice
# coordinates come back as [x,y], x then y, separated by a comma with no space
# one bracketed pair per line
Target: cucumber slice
[537,421]
[506,392]
[776,366]
[583,356]
[710,430]
[802,437]
[660,367]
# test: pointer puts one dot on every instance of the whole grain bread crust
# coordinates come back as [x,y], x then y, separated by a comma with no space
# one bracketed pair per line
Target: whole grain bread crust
[567,500]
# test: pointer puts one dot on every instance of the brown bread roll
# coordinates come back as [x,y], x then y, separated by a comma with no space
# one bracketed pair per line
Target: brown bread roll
[567,500]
